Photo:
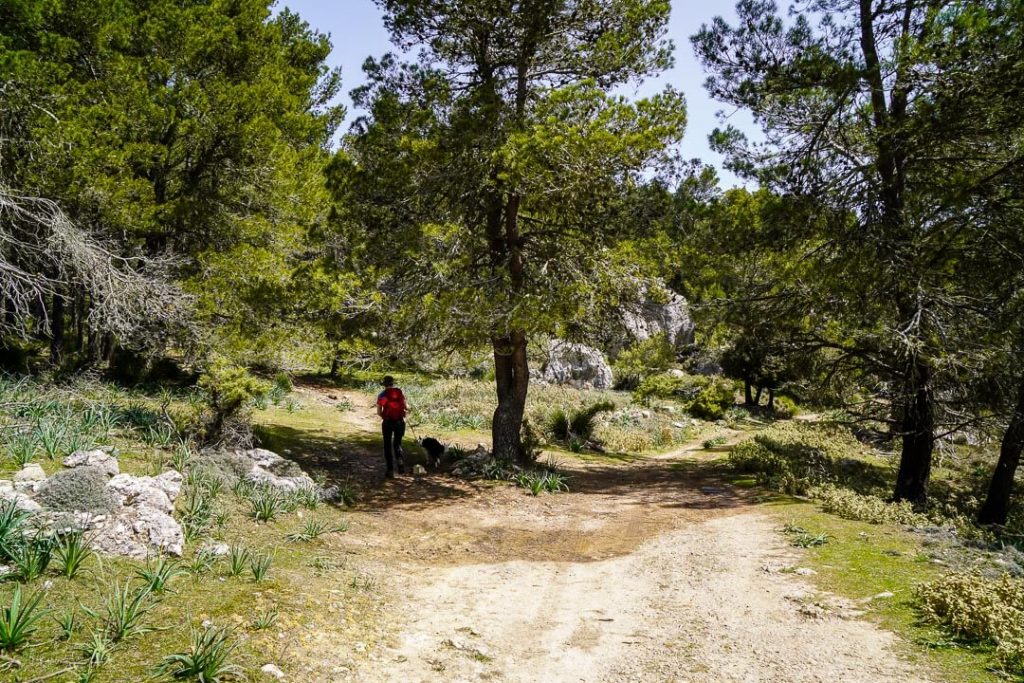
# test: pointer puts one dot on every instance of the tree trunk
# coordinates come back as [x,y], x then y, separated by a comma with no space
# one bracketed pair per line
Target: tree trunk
[335,366]
[512,379]
[997,503]
[57,329]
[771,399]
[757,396]
[918,425]
[748,396]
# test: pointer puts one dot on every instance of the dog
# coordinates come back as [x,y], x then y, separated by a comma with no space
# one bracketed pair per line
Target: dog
[435,449]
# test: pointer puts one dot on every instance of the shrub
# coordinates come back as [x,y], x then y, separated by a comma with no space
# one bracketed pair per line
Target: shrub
[852,505]
[539,481]
[643,359]
[982,610]
[230,388]
[81,489]
[794,457]
[713,400]
[785,408]
[715,442]
[658,386]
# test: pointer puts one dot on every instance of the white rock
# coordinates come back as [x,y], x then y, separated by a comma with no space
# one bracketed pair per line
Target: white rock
[418,470]
[170,483]
[272,670]
[141,492]
[21,501]
[883,596]
[216,549]
[29,475]
[101,460]
[805,571]
[6,485]
[263,457]
[136,531]
[663,312]
[287,484]
[576,365]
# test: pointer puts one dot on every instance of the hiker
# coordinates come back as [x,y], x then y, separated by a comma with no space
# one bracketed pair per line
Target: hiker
[391,410]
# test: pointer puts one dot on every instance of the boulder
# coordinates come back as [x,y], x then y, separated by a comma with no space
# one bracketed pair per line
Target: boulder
[95,458]
[270,469]
[141,492]
[136,531]
[21,499]
[29,477]
[577,365]
[664,313]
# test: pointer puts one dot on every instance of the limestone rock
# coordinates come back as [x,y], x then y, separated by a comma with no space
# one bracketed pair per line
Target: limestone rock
[270,469]
[29,477]
[141,492]
[136,531]
[577,365]
[99,459]
[272,670]
[663,312]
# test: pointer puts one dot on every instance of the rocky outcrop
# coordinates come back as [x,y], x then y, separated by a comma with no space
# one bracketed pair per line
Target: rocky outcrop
[124,515]
[664,313]
[270,469]
[576,365]
[100,459]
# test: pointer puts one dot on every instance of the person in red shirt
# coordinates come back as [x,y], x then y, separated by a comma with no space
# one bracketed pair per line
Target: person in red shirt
[391,409]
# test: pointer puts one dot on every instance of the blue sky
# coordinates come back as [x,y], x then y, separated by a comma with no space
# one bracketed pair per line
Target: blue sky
[357,32]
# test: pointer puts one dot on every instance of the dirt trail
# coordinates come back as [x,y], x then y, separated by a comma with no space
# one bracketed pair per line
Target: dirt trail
[651,571]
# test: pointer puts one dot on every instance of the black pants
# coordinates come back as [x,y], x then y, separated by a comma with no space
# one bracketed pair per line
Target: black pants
[393,430]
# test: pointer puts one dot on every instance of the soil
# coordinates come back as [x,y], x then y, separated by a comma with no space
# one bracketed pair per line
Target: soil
[650,570]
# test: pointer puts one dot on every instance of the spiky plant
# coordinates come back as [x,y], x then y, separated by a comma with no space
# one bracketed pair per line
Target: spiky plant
[71,551]
[13,526]
[124,611]
[265,620]
[19,619]
[238,559]
[31,558]
[157,575]
[260,565]
[208,659]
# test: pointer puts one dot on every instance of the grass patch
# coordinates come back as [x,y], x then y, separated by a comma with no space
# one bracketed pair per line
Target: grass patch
[861,560]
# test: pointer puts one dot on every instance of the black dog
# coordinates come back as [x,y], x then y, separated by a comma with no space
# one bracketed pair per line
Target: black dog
[435,449]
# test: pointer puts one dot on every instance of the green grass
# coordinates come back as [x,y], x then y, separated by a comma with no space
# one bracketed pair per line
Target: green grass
[861,560]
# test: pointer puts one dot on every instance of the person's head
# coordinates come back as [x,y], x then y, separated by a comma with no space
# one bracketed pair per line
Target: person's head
[388,381]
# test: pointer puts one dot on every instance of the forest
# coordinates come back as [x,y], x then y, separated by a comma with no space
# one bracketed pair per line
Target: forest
[207,264]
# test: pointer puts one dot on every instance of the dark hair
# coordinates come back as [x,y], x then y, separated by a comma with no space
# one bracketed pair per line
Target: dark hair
[389,381]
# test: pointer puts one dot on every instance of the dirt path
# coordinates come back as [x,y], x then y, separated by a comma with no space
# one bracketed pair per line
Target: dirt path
[646,572]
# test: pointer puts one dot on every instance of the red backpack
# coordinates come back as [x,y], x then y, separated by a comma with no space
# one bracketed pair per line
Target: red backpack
[392,402]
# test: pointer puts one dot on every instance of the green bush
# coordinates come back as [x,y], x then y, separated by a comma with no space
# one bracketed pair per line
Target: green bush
[230,388]
[785,408]
[713,400]
[658,386]
[793,457]
[643,359]
[852,505]
[979,609]
[81,489]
